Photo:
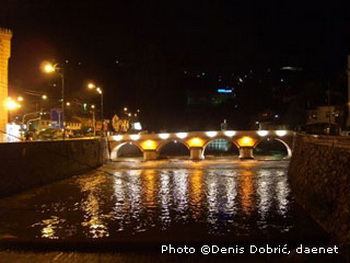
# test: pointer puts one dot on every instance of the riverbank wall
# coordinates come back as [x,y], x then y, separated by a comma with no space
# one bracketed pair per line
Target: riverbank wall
[28,164]
[319,176]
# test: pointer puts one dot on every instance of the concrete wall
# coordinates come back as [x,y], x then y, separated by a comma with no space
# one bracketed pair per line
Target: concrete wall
[319,176]
[28,164]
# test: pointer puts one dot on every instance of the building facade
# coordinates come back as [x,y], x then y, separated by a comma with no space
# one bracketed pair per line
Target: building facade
[5,53]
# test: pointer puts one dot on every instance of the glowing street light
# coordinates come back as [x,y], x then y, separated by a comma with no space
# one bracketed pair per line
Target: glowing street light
[93,119]
[50,68]
[11,104]
[92,86]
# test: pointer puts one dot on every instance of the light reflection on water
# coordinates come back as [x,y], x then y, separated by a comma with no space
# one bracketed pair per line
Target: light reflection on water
[215,199]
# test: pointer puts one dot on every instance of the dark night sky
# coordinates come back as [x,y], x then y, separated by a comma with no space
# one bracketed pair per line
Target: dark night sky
[138,50]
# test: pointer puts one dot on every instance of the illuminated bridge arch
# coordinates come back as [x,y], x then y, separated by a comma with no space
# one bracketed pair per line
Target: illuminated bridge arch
[116,149]
[220,141]
[272,144]
[181,146]
[151,145]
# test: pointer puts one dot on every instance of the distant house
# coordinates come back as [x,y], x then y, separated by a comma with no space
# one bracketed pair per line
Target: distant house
[325,114]
[43,122]
[72,124]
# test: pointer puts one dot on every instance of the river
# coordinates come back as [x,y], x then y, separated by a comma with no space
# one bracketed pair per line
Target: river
[167,201]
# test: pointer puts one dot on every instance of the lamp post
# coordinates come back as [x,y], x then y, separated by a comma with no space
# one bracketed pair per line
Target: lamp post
[93,119]
[11,105]
[54,68]
[99,91]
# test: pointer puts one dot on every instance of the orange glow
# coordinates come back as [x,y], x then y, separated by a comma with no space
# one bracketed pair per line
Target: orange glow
[196,192]
[246,141]
[149,183]
[149,145]
[196,142]
[47,67]
[91,85]
[11,104]
[247,192]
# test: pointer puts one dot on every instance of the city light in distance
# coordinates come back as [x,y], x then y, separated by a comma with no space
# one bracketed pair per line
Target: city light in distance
[222,90]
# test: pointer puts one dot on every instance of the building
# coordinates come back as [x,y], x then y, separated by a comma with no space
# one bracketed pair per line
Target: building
[325,114]
[5,53]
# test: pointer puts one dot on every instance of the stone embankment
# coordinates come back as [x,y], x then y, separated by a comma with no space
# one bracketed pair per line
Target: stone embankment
[319,175]
[29,164]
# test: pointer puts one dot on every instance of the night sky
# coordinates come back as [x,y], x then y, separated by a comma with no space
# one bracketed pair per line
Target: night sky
[147,54]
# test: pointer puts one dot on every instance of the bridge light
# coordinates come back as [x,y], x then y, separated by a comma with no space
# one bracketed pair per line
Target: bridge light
[181,135]
[230,133]
[281,133]
[118,137]
[196,142]
[134,137]
[246,141]
[211,133]
[164,136]
[149,145]
[262,133]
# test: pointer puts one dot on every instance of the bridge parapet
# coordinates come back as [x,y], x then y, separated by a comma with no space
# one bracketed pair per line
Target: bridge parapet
[196,142]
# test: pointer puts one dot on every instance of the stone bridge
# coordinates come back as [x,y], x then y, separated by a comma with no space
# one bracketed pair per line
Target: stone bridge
[151,144]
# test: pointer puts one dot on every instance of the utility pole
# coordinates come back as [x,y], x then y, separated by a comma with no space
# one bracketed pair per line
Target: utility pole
[348,102]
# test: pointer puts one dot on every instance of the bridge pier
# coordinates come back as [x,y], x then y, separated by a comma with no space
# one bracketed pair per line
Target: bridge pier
[246,152]
[150,155]
[196,153]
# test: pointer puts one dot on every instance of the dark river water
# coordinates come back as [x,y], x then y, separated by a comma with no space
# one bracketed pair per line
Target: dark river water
[177,201]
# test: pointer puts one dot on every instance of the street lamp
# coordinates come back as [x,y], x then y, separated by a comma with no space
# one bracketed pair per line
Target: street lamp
[93,119]
[50,68]
[11,104]
[99,91]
